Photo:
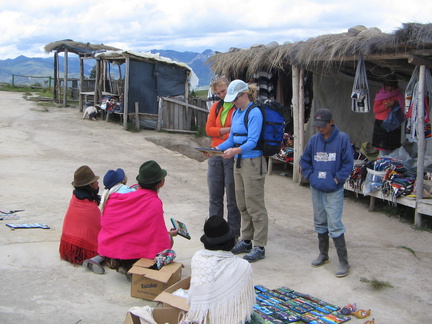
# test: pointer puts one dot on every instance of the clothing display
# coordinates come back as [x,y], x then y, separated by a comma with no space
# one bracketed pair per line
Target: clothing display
[133,226]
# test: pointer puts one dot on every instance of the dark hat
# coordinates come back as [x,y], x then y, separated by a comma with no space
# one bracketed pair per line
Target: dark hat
[322,117]
[88,104]
[216,231]
[112,177]
[391,82]
[84,176]
[150,172]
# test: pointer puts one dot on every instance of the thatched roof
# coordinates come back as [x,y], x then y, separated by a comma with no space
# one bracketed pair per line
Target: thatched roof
[383,52]
[85,49]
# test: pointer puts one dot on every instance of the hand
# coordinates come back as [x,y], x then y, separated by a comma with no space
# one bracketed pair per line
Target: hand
[173,232]
[229,153]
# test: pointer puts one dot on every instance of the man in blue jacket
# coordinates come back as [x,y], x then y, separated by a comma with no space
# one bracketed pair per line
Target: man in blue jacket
[327,162]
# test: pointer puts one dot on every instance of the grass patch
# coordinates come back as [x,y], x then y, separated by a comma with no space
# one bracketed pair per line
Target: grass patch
[408,249]
[376,284]
[132,127]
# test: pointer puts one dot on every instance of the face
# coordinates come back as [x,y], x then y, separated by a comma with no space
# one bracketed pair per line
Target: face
[241,100]
[221,91]
[326,130]
[389,88]
[95,185]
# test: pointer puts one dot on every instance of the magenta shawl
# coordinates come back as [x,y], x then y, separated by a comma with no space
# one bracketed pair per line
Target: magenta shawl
[384,95]
[133,226]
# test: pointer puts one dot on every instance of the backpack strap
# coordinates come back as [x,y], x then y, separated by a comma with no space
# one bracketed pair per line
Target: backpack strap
[219,106]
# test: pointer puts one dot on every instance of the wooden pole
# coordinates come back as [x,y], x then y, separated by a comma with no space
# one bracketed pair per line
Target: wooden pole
[81,66]
[55,94]
[65,77]
[126,94]
[301,118]
[420,143]
[295,85]
[137,118]
[96,85]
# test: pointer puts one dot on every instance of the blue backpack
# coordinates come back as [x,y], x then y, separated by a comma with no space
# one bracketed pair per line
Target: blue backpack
[273,126]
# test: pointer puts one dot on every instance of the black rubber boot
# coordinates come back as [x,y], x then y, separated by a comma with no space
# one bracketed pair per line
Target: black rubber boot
[344,267]
[323,244]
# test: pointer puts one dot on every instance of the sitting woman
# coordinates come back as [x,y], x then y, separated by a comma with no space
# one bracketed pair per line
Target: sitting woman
[221,289]
[81,224]
[133,224]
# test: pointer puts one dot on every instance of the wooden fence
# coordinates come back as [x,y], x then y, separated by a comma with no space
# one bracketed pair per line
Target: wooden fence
[178,116]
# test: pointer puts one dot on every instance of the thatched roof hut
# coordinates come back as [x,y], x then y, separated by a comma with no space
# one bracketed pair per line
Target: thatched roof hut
[383,53]
[79,48]
[329,63]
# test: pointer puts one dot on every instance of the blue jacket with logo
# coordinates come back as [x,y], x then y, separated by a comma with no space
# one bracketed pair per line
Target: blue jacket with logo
[326,160]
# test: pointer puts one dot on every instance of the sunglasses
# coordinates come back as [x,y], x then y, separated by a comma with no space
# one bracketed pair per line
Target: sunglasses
[238,96]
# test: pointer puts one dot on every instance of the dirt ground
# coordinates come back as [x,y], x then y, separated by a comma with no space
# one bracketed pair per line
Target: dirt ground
[42,147]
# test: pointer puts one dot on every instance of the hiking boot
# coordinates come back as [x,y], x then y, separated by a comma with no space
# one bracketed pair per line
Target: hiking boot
[242,247]
[256,254]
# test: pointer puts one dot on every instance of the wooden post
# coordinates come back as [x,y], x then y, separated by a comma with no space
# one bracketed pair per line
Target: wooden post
[126,94]
[420,143]
[81,66]
[97,78]
[301,114]
[137,118]
[295,103]
[160,114]
[65,77]
[55,94]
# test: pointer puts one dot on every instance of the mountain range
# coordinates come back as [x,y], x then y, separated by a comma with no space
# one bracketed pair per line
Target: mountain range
[44,67]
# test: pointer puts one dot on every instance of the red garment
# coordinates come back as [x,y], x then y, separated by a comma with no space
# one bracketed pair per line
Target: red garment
[81,227]
[214,124]
[133,226]
[379,108]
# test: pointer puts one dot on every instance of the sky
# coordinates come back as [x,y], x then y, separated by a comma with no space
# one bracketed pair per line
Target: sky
[191,25]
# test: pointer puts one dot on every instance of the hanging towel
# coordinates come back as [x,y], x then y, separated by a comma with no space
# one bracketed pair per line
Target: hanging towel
[360,93]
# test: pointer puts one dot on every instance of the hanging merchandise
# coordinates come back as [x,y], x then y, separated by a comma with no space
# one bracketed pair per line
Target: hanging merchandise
[411,105]
[360,92]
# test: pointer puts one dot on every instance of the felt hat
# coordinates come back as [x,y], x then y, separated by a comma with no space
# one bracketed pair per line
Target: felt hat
[234,88]
[216,231]
[322,117]
[88,104]
[84,176]
[150,172]
[112,177]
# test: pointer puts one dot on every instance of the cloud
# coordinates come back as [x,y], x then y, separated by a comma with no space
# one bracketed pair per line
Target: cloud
[191,25]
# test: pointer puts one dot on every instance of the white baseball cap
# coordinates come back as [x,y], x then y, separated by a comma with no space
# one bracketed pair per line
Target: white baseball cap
[234,88]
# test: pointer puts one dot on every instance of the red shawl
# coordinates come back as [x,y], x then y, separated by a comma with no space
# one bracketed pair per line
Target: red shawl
[133,226]
[81,227]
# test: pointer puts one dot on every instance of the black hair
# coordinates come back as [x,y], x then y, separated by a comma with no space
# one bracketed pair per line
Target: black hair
[150,186]
[226,246]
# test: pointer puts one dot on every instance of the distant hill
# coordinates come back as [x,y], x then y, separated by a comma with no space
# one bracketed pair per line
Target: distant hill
[44,67]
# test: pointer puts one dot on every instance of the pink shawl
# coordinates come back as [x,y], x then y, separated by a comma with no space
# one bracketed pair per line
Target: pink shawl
[133,226]
[384,95]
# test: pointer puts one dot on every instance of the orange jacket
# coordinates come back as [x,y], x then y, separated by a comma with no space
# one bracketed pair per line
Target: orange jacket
[214,125]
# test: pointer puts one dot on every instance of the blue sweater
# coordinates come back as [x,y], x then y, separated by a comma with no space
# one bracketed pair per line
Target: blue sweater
[325,160]
[255,121]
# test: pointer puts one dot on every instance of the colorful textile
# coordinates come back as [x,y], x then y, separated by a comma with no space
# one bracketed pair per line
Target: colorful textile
[81,227]
[133,226]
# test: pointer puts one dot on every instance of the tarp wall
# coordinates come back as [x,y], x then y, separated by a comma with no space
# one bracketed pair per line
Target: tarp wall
[147,81]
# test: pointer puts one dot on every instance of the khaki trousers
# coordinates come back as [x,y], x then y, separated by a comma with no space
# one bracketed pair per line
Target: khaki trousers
[249,189]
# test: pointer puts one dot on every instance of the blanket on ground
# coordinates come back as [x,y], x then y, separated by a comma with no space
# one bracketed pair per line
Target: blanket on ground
[133,226]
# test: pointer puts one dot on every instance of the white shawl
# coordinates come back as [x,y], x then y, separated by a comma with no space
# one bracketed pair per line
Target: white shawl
[107,193]
[221,289]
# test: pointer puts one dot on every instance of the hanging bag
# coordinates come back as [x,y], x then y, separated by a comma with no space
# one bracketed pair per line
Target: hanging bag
[394,120]
[360,93]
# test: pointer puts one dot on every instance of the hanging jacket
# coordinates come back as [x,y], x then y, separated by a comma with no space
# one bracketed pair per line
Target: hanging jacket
[326,160]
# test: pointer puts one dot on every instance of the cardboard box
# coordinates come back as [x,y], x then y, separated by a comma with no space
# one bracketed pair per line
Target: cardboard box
[161,315]
[168,299]
[148,283]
